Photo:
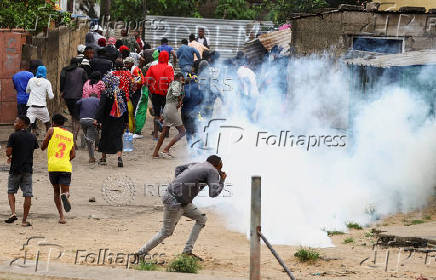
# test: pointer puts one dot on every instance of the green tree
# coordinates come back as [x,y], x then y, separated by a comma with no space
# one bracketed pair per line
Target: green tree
[133,9]
[236,9]
[31,14]
[281,10]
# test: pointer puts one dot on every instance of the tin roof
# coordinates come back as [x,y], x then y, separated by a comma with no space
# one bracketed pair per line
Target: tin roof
[281,38]
[256,49]
[413,58]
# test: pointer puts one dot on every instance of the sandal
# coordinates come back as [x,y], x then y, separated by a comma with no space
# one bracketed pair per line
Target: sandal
[102,161]
[62,222]
[26,224]
[66,202]
[166,155]
[11,219]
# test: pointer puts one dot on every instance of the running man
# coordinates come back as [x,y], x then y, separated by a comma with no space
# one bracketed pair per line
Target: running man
[60,144]
[190,180]
[20,148]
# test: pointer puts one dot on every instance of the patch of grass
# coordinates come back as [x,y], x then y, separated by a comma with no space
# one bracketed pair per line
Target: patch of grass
[185,264]
[428,218]
[307,255]
[147,266]
[351,225]
[369,234]
[348,240]
[335,232]
[416,222]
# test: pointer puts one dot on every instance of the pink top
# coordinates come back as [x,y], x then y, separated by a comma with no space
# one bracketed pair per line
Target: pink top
[89,89]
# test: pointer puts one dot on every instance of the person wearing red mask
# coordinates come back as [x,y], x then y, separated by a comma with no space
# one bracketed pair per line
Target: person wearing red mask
[158,78]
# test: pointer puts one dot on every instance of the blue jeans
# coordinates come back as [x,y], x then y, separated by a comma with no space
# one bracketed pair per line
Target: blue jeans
[186,69]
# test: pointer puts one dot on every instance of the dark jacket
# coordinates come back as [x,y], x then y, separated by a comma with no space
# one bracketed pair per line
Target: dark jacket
[111,53]
[192,178]
[193,97]
[71,82]
[101,64]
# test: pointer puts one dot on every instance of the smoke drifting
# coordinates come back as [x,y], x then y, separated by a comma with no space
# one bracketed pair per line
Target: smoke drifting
[387,165]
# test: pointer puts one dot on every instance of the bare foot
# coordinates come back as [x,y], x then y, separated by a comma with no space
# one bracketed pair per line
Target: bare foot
[62,221]
[26,224]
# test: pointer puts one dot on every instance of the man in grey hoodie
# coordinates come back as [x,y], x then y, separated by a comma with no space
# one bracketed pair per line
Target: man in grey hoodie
[190,180]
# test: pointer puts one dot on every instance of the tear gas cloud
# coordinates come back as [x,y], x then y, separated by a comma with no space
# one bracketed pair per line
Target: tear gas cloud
[387,165]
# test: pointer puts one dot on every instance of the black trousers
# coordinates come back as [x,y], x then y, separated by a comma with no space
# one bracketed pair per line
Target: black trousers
[21,109]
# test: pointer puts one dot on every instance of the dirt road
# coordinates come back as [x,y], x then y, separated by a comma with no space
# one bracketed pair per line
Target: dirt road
[97,226]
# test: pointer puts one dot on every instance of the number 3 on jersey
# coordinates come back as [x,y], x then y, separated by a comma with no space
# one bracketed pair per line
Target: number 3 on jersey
[62,147]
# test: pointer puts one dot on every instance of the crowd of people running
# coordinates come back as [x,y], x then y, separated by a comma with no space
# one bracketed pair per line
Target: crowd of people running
[106,89]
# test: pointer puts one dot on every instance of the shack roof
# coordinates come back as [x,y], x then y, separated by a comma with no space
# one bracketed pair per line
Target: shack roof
[413,58]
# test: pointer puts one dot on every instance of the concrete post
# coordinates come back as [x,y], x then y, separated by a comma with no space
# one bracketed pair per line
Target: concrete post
[254,228]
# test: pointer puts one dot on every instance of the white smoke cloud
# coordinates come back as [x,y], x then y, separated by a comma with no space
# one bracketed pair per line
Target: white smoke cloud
[387,166]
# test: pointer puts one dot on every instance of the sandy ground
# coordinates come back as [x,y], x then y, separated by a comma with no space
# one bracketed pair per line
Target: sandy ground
[95,226]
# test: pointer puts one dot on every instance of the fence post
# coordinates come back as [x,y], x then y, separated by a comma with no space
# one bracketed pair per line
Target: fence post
[254,228]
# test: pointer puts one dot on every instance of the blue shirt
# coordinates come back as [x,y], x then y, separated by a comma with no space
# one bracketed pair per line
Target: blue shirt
[20,80]
[165,48]
[88,107]
[185,54]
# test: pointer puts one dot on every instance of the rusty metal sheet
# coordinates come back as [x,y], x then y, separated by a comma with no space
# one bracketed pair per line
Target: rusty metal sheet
[7,90]
[8,112]
[10,59]
[281,38]
[422,57]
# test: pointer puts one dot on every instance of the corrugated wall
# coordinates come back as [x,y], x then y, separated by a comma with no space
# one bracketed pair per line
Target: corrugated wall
[225,36]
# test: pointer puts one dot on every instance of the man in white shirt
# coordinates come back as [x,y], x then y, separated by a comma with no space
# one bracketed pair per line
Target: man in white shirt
[98,33]
[203,39]
[249,90]
[39,87]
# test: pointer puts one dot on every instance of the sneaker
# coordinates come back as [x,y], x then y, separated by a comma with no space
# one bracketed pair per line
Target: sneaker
[66,202]
[120,162]
[102,161]
[138,136]
[11,219]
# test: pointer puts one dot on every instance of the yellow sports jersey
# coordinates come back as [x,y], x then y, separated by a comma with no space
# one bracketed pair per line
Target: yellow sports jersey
[58,152]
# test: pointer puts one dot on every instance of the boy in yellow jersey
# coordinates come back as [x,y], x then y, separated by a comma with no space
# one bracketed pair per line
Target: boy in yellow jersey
[60,144]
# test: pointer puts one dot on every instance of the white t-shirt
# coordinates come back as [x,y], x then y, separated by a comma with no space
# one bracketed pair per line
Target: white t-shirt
[201,40]
[248,81]
[39,88]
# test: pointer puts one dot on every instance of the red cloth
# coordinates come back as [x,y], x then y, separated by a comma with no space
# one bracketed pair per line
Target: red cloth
[139,41]
[126,80]
[159,76]
[123,47]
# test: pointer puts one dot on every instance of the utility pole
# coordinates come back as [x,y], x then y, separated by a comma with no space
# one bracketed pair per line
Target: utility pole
[105,9]
[255,228]
[144,22]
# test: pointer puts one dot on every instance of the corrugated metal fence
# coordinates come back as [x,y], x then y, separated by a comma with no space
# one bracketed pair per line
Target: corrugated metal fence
[225,36]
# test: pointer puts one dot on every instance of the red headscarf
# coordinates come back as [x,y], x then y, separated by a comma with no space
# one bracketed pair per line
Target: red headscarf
[102,42]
